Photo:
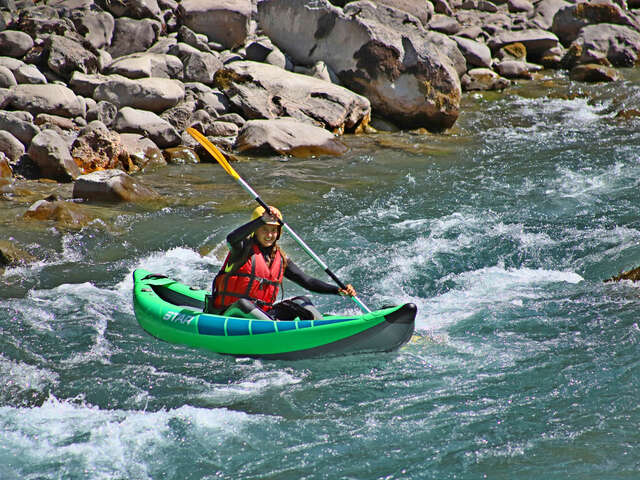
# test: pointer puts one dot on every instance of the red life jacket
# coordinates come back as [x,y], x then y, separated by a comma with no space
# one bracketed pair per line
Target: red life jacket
[255,280]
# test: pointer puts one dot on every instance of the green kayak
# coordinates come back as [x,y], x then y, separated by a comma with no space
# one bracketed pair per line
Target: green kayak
[172,311]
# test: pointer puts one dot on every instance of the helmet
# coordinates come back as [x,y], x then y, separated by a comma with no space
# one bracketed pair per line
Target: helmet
[259,211]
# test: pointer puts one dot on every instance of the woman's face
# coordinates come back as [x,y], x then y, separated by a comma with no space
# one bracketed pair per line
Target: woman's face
[267,235]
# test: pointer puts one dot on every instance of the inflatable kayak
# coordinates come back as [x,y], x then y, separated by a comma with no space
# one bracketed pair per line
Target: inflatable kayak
[172,311]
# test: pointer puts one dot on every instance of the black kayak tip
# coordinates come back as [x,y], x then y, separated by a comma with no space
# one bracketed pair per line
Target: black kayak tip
[405,314]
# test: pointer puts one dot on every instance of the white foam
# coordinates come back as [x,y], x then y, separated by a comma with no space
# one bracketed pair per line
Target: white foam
[25,377]
[104,444]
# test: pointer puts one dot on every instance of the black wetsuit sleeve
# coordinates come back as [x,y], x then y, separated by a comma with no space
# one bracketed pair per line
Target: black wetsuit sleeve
[235,239]
[293,273]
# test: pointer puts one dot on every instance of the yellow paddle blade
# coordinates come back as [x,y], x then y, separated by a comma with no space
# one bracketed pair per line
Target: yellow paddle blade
[215,153]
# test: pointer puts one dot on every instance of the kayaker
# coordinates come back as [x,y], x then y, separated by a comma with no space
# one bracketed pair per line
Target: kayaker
[251,276]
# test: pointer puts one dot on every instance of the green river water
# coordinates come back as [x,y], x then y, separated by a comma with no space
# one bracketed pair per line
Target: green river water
[525,363]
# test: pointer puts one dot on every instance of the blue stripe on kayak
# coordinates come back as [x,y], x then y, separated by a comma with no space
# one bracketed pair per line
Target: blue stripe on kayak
[211,326]
[262,326]
[284,325]
[329,322]
[237,327]
[305,324]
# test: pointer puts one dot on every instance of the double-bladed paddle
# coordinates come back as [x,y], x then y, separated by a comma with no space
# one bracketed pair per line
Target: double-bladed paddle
[215,153]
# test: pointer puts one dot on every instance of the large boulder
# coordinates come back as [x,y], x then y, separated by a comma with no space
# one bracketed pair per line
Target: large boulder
[569,20]
[65,56]
[112,186]
[14,43]
[50,153]
[100,149]
[410,75]
[50,98]
[263,91]
[222,21]
[96,27]
[131,35]
[536,41]
[153,94]
[160,131]
[605,42]
[64,213]
[287,136]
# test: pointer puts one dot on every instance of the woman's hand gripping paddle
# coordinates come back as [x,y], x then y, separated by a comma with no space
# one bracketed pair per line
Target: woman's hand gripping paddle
[215,153]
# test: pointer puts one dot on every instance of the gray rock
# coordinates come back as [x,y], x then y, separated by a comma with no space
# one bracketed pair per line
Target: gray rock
[569,20]
[264,91]
[222,21]
[153,94]
[516,6]
[222,129]
[50,152]
[594,73]
[477,54]
[380,55]
[483,79]
[65,56]
[544,12]
[536,41]
[200,67]
[11,146]
[287,136]
[143,64]
[517,69]
[50,98]
[444,24]
[96,27]
[85,85]
[7,79]
[14,43]
[618,44]
[161,132]
[19,125]
[112,186]
[142,151]
[29,74]
[104,111]
[130,36]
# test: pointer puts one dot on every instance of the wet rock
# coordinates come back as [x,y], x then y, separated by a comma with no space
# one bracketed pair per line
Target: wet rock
[264,91]
[11,146]
[181,155]
[12,255]
[14,43]
[410,75]
[287,137]
[49,98]
[594,73]
[5,168]
[222,129]
[223,21]
[517,69]
[100,149]
[142,151]
[112,186]
[483,79]
[161,132]
[65,213]
[152,94]
[50,152]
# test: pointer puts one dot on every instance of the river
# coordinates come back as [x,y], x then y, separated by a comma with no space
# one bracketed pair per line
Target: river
[525,364]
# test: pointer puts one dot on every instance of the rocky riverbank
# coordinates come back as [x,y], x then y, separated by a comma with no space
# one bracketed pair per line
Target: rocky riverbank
[93,91]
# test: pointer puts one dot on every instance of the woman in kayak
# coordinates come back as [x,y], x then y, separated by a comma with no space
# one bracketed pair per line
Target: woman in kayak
[251,276]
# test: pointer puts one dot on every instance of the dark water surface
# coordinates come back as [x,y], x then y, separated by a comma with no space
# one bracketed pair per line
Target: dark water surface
[502,231]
